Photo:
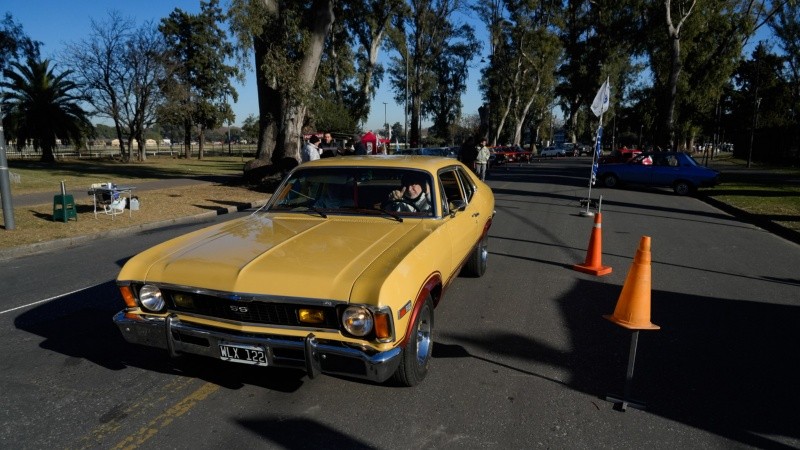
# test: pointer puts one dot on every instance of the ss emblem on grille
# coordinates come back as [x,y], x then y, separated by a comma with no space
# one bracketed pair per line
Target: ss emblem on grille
[239,309]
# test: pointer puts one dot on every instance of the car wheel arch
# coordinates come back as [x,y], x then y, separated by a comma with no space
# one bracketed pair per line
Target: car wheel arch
[433,289]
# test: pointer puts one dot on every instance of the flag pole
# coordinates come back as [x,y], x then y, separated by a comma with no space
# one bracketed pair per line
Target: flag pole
[599,106]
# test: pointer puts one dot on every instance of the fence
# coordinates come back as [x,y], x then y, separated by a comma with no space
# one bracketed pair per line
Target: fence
[103,151]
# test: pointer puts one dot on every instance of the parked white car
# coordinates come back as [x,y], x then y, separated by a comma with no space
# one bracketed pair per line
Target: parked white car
[553,151]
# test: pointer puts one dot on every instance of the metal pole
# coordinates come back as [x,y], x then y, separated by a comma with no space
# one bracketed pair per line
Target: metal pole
[5,185]
[405,112]
[625,401]
[386,123]
[595,160]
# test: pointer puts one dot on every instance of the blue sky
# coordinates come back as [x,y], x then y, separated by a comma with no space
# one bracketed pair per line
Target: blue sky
[58,22]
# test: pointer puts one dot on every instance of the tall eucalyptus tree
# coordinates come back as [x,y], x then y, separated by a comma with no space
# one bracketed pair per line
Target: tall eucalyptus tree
[528,52]
[198,83]
[600,39]
[288,40]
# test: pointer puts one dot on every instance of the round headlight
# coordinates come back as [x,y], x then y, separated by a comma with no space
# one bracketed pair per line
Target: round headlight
[150,298]
[357,320]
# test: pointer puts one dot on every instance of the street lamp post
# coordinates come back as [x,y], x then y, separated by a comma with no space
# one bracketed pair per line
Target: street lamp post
[641,128]
[405,108]
[385,124]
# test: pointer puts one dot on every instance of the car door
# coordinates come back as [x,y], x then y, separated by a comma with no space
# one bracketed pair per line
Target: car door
[461,218]
[636,172]
[665,170]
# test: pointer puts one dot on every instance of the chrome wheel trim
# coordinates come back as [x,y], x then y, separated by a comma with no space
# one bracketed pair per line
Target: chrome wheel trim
[424,340]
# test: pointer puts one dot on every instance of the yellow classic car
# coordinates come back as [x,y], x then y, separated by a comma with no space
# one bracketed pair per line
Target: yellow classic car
[339,273]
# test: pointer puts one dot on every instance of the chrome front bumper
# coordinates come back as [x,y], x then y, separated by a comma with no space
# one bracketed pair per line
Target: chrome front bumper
[299,353]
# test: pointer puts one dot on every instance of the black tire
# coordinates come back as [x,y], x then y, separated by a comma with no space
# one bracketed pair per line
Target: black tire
[610,181]
[682,187]
[476,264]
[416,355]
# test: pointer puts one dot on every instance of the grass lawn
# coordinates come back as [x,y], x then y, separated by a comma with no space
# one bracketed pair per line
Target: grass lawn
[768,192]
[35,176]
[34,224]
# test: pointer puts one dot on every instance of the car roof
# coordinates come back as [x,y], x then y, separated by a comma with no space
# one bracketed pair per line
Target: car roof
[429,163]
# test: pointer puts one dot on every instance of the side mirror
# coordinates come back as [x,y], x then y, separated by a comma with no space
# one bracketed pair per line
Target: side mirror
[457,206]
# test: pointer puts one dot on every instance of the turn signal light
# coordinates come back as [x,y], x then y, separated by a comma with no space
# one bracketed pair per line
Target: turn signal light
[383,326]
[127,296]
[314,316]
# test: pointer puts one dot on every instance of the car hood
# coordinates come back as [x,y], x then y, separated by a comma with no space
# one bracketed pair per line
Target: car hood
[288,255]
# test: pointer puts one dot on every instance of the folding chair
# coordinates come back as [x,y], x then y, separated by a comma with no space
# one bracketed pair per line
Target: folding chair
[106,197]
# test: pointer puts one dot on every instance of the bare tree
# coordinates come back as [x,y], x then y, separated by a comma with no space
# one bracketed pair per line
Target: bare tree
[99,65]
[118,67]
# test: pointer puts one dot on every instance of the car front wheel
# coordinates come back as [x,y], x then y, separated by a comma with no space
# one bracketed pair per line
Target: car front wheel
[416,355]
[476,264]
[610,181]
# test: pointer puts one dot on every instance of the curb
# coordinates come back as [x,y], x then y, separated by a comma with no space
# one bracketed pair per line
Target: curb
[60,244]
[754,219]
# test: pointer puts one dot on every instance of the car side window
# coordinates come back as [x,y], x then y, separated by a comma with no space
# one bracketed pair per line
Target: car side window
[467,184]
[451,190]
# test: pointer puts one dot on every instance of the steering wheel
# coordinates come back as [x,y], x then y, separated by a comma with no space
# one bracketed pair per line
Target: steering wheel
[400,206]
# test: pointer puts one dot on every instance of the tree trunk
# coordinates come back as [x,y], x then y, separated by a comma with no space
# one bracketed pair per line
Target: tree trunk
[201,141]
[269,105]
[674,34]
[294,115]
[187,139]
[674,73]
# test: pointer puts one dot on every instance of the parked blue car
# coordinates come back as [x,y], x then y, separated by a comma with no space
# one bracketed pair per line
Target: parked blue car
[672,169]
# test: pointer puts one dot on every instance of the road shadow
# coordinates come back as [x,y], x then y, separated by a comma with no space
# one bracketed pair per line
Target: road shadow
[79,325]
[301,434]
[724,366]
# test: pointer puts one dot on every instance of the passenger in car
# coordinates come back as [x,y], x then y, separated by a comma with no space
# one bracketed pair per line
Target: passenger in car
[413,195]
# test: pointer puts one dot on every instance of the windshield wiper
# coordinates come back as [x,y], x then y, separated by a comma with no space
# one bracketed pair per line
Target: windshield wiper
[387,212]
[316,210]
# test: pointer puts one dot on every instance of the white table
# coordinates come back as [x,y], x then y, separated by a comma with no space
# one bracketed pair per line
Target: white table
[124,191]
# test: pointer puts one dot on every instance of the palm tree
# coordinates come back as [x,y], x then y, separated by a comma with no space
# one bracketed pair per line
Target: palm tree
[42,107]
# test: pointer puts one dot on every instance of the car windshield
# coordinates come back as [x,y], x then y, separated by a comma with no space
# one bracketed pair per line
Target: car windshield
[355,191]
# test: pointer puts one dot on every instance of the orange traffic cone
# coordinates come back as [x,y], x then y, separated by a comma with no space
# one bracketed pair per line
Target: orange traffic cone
[593,264]
[633,306]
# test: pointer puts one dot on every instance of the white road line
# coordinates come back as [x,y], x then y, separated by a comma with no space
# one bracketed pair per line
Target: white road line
[46,300]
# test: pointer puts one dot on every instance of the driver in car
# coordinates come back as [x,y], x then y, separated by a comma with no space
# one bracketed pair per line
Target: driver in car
[413,195]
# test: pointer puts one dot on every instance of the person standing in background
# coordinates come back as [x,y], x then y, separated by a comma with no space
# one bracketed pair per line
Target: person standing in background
[310,150]
[482,160]
[328,146]
[468,153]
[359,147]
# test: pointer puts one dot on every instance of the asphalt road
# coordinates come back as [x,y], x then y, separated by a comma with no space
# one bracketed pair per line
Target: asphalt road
[522,356]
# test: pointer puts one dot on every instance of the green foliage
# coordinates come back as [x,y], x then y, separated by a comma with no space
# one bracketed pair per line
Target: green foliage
[41,106]
[14,43]
[199,83]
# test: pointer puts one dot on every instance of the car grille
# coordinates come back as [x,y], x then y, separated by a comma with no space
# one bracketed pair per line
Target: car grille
[246,311]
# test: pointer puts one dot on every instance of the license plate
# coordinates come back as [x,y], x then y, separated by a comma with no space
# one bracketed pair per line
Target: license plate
[243,353]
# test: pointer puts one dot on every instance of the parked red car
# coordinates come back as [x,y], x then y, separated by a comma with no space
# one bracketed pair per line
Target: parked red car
[512,154]
[620,156]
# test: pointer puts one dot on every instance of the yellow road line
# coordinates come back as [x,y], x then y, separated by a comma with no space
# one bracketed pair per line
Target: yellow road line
[163,420]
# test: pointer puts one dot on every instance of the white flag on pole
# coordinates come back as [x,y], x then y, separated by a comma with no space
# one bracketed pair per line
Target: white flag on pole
[602,99]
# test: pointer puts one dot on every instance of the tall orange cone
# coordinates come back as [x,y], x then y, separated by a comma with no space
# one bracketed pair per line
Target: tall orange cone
[633,306]
[594,256]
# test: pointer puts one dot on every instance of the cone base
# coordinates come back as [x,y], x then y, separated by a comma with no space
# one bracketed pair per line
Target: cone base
[630,325]
[592,270]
